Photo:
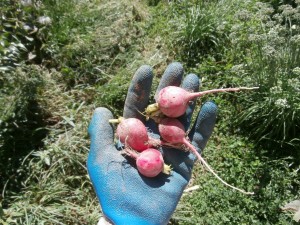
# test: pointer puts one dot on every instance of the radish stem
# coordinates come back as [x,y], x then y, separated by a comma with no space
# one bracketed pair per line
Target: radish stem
[116,120]
[193,150]
[192,95]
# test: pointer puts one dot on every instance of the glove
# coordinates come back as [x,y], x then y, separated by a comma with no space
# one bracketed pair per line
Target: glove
[125,196]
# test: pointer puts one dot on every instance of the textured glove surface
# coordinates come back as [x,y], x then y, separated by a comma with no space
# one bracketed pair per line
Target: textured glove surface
[126,197]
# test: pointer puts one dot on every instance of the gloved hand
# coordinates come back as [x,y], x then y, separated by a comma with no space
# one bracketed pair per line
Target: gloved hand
[126,197]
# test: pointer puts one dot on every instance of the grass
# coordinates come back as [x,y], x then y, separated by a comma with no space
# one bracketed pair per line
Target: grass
[243,165]
[271,62]
[90,52]
[55,182]
[20,121]
[252,44]
[53,185]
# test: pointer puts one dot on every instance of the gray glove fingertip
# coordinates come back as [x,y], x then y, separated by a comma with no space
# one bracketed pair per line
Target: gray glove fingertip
[171,77]
[100,130]
[190,83]
[204,125]
[138,93]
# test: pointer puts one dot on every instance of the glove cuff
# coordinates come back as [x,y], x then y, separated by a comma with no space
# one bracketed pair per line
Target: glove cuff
[104,221]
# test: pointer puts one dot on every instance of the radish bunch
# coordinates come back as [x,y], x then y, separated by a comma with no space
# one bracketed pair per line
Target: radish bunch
[138,145]
[172,102]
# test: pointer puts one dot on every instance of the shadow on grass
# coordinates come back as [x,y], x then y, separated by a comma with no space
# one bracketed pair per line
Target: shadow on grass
[20,136]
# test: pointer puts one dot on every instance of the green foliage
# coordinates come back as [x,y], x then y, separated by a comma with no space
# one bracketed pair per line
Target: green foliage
[21,120]
[89,53]
[25,28]
[202,28]
[271,61]
[153,2]
[101,47]
[47,182]
[69,19]
[198,34]
[274,182]
[112,95]
[260,49]
[277,3]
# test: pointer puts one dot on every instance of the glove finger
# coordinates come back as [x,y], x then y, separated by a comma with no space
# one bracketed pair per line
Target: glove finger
[100,131]
[204,125]
[171,77]
[138,93]
[183,162]
[190,83]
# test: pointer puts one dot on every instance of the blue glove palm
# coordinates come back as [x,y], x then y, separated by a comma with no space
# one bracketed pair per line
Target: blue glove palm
[125,196]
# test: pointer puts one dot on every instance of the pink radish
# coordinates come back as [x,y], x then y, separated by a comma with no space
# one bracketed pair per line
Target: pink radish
[150,162]
[133,133]
[172,131]
[173,101]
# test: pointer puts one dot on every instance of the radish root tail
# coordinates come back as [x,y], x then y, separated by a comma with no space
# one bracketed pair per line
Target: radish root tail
[193,149]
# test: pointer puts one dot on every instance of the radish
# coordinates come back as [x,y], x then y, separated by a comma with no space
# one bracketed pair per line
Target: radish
[150,162]
[172,131]
[173,101]
[133,133]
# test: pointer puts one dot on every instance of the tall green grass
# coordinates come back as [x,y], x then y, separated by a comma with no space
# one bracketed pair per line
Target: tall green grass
[21,122]
[202,28]
[259,46]
[199,33]
[89,45]
[247,43]
[271,61]
[49,184]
